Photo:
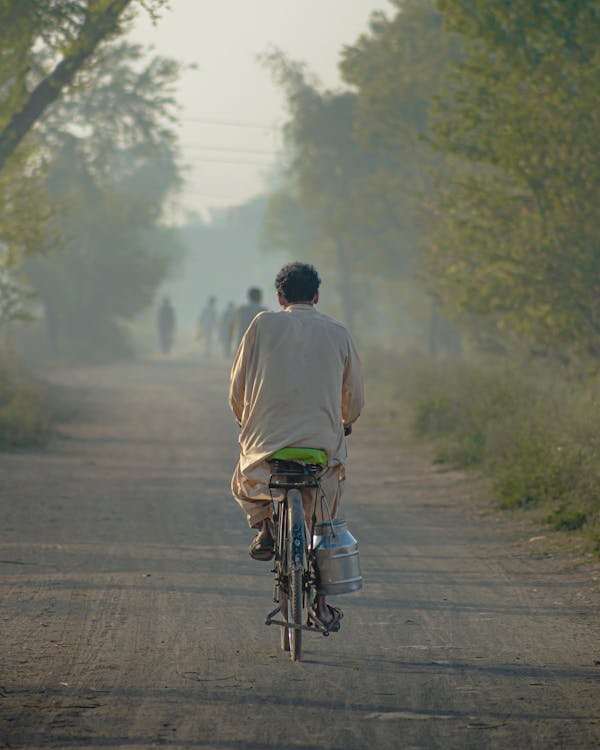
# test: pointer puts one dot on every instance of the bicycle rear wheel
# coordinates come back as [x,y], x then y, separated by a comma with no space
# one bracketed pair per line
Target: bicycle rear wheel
[296,554]
[281,572]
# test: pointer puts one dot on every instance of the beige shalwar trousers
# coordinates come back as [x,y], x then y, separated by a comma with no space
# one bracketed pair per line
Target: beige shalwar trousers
[258,507]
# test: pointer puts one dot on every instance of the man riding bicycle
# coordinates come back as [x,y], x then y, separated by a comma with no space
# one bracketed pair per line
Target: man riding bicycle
[296,381]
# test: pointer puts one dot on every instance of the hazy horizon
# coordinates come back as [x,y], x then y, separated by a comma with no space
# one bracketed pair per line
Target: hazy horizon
[231,110]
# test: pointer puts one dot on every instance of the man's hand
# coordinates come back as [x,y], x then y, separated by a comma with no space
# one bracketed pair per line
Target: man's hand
[347,429]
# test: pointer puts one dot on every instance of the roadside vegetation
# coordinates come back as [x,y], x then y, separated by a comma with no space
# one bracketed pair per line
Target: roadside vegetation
[87,164]
[29,409]
[533,431]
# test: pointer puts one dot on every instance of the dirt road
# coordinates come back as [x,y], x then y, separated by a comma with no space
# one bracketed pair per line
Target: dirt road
[132,616]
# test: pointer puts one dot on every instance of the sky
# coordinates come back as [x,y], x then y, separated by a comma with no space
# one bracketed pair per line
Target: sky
[231,109]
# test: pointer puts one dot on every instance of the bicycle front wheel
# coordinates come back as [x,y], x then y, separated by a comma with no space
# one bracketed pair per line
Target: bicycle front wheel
[296,554]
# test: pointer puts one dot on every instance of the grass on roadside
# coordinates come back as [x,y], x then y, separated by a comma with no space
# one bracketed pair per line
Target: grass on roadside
[533,432]
[29,409]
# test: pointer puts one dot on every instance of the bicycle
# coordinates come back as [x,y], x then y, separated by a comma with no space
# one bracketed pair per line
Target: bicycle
[296,575]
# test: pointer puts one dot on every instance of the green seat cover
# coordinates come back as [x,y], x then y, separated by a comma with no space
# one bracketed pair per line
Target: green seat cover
[306,455]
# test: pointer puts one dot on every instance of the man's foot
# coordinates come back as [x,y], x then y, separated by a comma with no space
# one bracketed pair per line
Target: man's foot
[325,617]
[263,544]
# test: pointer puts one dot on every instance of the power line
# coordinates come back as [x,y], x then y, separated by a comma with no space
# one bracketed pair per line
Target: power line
[230,123]
[200,159]
[230,149]
[214,200]
[230,198]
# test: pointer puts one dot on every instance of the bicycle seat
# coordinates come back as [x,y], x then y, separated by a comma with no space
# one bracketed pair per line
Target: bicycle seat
[296,467]
[313,456]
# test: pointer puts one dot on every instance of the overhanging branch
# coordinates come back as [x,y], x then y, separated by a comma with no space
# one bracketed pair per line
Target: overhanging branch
[98,24]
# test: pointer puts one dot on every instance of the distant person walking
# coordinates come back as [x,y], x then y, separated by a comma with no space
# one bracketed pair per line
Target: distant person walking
[245,314]
[165,323]
[226,322]
[207,323]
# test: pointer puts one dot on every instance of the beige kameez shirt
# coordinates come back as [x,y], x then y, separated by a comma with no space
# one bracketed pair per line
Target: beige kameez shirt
[296,380]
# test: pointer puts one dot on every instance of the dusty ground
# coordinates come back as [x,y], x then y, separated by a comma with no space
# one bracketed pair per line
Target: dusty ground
[132,616]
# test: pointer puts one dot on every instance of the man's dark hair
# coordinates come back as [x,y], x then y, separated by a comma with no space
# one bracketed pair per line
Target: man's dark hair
[298,282]
[254,294]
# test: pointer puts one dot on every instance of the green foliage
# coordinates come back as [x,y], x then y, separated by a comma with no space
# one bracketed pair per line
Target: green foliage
[112,168]
[535,434]
[532,457]
[26,411]
[396,69]
[26,222]
[16,296]
[27,216]
[325,170]
[288,228]
[460,404]
[518,226]
[44,44]
[107,272]
[355,198]
[349,199]
[566,518]
[465,157]
[122,101]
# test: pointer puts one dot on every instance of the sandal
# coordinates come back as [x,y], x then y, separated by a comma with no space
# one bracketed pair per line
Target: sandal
[262,548]
[332,626]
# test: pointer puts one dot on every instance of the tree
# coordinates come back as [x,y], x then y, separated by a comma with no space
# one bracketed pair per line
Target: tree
[45,45]
[396,70]
[113,167]
[16,296]
[109,270]
[331,187]
[69,33]
[519,222]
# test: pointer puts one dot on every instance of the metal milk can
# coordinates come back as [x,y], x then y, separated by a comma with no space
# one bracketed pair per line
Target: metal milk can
[337,564]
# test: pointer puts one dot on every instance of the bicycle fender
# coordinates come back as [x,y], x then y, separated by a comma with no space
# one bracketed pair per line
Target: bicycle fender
[297,542]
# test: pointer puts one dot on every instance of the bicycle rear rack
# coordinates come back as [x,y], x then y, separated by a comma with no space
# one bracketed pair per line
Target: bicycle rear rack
[288,475]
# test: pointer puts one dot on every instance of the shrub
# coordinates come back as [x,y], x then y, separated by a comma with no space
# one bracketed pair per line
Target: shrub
[537,435]
[566,518]
[461,405]
[525,460]
[26,410]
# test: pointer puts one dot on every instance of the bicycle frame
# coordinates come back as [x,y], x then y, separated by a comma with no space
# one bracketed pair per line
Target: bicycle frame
[294,558]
